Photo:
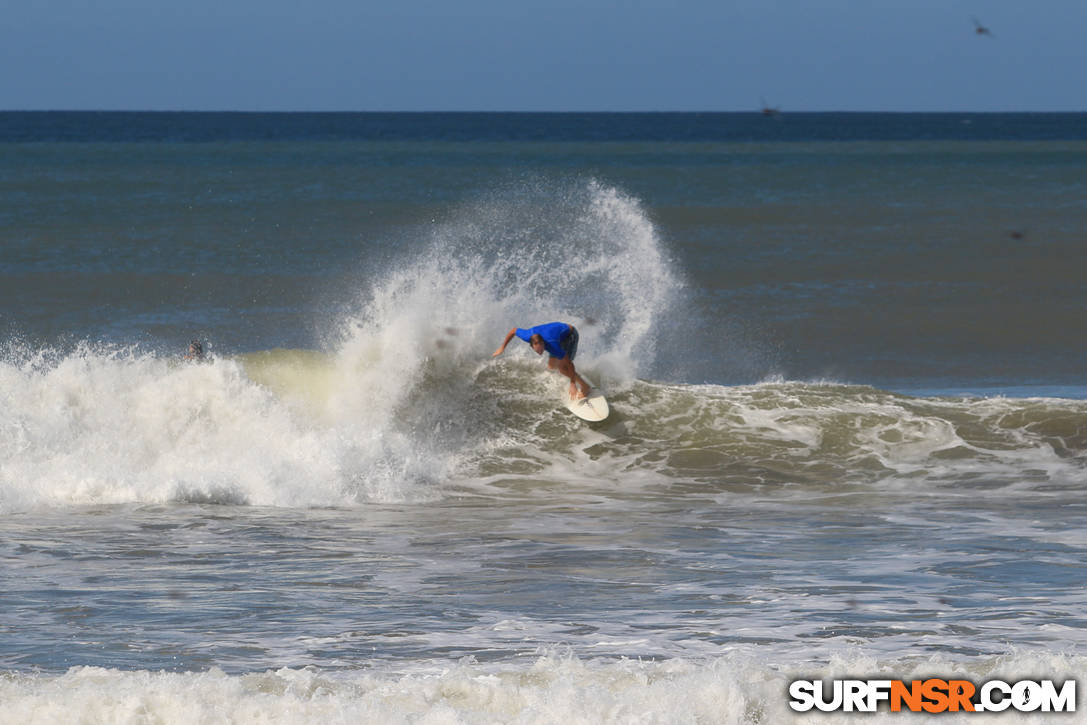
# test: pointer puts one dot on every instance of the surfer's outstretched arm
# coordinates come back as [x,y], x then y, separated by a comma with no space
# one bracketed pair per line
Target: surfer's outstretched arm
[509,336]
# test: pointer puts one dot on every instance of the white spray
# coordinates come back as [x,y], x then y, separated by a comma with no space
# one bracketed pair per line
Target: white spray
[400,389]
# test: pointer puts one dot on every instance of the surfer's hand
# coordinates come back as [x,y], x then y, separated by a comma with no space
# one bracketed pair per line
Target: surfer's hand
[498,352]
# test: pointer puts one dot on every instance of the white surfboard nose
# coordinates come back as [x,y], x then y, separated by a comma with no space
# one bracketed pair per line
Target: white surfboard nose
[593,408]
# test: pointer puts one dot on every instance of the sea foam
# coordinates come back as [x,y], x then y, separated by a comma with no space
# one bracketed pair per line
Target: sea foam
[553,688]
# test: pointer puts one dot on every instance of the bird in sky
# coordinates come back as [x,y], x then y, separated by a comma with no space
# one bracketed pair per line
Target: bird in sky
[981,29]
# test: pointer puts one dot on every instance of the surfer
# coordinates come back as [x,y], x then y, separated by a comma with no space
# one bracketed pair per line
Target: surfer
[560,341]
[196,351]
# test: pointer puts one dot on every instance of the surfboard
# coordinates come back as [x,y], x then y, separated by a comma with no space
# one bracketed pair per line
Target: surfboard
[593,408]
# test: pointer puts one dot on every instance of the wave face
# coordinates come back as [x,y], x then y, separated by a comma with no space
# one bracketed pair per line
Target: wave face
[809,437]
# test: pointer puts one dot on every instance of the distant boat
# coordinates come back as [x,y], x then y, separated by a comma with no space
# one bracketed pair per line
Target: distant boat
[769,110]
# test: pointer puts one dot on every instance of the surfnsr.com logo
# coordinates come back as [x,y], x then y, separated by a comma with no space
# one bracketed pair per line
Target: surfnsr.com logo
[932,695]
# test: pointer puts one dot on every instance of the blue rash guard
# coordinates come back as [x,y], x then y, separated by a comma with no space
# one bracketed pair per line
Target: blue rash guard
[554,335]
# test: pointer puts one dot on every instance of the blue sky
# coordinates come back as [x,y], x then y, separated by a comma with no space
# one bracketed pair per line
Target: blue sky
[530,55]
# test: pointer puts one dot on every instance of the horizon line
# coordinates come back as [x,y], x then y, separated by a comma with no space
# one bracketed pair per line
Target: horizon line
[755,111]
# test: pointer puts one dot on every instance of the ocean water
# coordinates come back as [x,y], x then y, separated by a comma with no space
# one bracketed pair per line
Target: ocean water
[846,356]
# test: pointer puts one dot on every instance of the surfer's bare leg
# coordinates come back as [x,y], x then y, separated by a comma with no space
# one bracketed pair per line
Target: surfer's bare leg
[566,367]
[585,387]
